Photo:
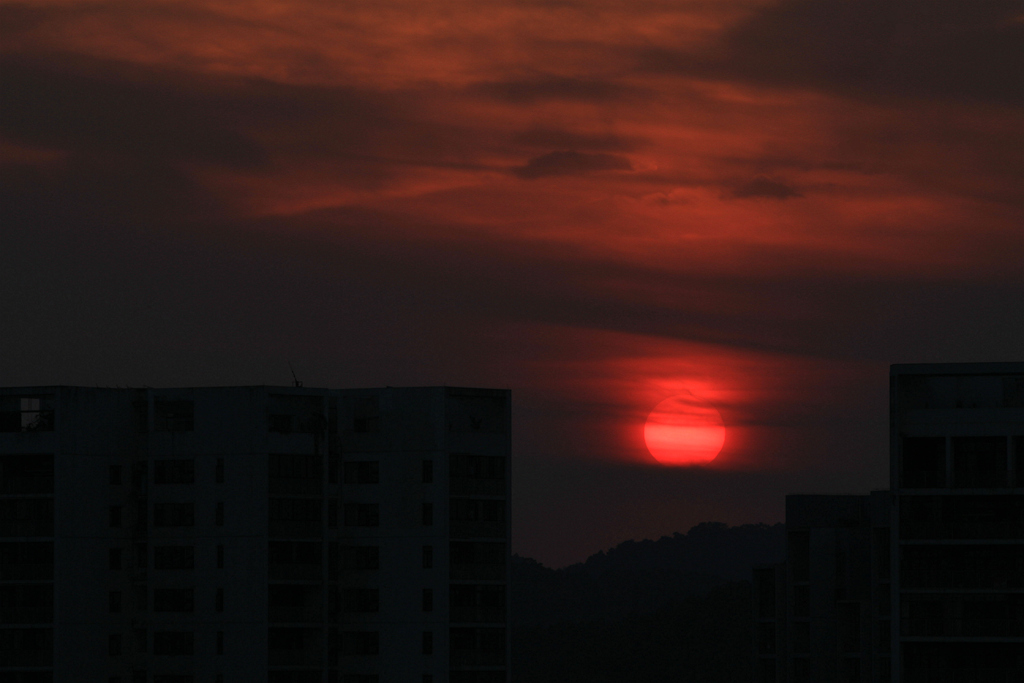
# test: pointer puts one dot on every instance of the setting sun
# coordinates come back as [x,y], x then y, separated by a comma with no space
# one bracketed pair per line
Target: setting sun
[683,430]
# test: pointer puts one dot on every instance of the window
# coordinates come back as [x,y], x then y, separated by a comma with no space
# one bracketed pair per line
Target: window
[115,475]
[473,510]
[362,472]
[428,471]
[172,643]
[173,600]
[470,558]
[332,514]
[141,555]
[360,557]
[114,602]
[140,637]
[801,637]
[428,600]
[114,644]
[333,462]
[293,603]
[801,601]
[173,416]
[173,557]
[218,475]
[477,603]
[476,413]
[32,560]
[219,517]
[115,516]
[1018,449]
[173,514]
[26,413]
[114,558]
[180,471]
[362,514]
[764,585]
[477,517]
[980,461]
[428,556]
[849,626]
[26,517]
[295,466]
[766,638]
[220,557]
[294,510]
[220,642]
[923,462]
[467,465]
[290,560]
[355,643]
[477,647]
[141,595]
[798,550]
[881,540]
[140,474]
[428,642]
[801,670]
[303,414]
[26,473]
[366,415]
[219,600]
[360,600]
[428,514]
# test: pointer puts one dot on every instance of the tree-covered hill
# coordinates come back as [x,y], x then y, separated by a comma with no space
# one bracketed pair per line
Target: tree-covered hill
[676,609]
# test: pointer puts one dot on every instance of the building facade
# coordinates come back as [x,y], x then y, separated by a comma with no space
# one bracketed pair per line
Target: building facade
[254,534]
[824,613]
[925,582]
[957,460]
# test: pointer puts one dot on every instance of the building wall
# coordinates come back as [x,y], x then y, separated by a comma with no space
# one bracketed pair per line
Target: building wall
[252,513]
[959,555]
[828,614]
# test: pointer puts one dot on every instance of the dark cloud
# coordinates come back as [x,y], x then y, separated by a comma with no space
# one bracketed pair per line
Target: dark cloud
[17,18]
[561,138]
[527,91]
[123,125]
[571,163]
[64,107]
[872,48]
[765,187]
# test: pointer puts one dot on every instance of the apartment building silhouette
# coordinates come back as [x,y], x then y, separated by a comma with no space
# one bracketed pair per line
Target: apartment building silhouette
[248,534]
[922,583]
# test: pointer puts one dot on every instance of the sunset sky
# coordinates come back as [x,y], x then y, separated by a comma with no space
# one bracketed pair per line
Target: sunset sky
[598,204]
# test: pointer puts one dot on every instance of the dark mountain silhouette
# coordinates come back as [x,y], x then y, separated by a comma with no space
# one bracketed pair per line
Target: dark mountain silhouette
[675,609]
[636,577]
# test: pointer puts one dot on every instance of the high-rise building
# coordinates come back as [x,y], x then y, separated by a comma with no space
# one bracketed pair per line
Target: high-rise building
[210,535]
[957,479]
[824,613]
[923,583]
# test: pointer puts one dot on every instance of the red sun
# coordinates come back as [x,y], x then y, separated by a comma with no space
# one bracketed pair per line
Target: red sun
[683,430]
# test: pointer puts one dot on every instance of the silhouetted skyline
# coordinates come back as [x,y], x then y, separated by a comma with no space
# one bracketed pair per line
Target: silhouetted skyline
[596,204]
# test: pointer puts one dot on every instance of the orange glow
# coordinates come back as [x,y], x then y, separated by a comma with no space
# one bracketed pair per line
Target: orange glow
[683,430]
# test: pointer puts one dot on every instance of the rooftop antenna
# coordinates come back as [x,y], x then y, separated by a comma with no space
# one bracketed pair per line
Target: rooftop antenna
[294,378]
